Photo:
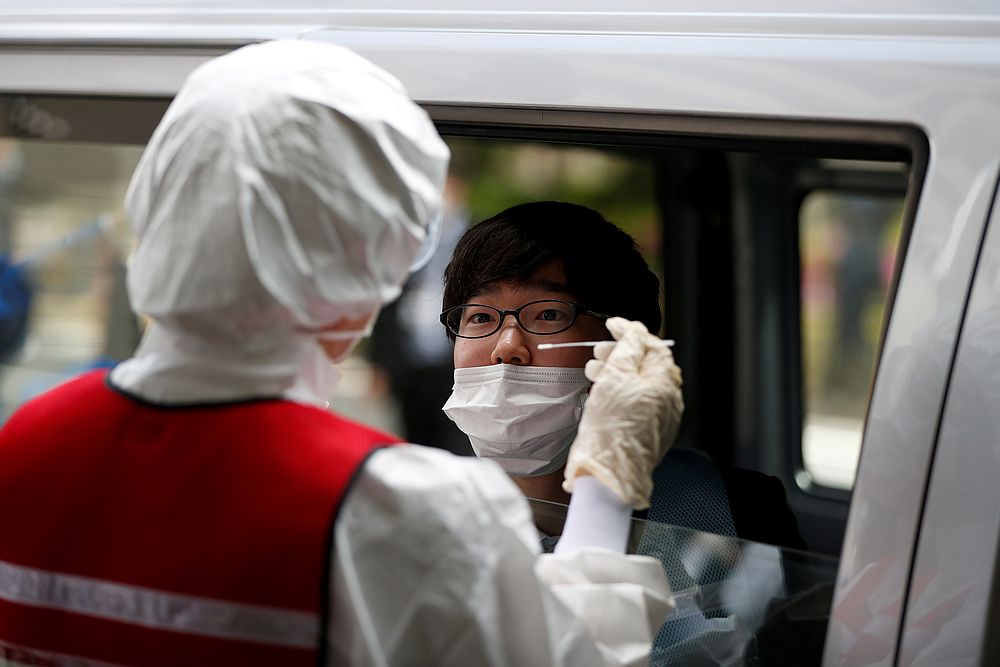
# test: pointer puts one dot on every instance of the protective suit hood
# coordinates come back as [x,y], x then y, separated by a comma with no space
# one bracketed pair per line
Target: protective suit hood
[289,185]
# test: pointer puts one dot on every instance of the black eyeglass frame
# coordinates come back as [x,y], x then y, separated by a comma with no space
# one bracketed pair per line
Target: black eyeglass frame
[577,311]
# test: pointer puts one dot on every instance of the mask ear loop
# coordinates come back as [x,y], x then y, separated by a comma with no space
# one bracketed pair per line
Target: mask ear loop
[347,334]
[429,244]
[336,336]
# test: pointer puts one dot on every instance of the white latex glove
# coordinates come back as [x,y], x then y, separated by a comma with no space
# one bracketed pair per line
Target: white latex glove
[631,416]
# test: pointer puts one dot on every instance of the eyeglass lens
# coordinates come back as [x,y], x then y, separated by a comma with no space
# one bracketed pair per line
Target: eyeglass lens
[540,317]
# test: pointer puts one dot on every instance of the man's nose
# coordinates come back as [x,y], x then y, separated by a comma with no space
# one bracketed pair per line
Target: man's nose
[511,344]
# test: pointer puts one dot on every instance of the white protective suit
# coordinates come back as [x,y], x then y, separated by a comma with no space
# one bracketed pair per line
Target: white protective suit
[290,185]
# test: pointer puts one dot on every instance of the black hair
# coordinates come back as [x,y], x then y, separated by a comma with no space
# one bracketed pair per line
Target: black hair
[604,269]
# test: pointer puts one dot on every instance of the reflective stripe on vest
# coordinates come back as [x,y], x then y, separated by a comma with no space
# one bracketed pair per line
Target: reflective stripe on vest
[157,609]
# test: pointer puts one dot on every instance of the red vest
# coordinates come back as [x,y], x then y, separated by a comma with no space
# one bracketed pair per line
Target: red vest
[146,535]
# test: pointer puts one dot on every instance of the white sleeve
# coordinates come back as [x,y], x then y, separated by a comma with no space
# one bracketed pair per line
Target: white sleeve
[436,561]
[596,518]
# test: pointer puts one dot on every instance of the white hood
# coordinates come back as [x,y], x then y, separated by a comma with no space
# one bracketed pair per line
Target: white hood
[289,185]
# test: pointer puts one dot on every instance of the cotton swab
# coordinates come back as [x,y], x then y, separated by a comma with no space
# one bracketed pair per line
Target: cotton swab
[589,343]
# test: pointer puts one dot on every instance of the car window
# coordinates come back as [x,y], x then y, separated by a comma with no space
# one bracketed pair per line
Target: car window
[737,602]
[64,243]
[775,268]
[776,261]
[848,242]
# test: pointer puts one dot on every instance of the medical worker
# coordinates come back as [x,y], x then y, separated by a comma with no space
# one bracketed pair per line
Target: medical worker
[198,505]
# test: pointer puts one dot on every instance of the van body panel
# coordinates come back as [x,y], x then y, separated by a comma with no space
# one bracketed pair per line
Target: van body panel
[62,19]
[127,71]
[904,411]
[948,615]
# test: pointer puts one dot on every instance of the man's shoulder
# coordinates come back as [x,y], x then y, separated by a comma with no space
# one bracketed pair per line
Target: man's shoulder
[760,508]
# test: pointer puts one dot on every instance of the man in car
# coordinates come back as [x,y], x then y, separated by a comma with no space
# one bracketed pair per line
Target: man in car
[554,272]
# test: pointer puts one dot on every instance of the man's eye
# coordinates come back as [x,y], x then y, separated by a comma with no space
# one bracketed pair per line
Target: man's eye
[552,315]
[480,317]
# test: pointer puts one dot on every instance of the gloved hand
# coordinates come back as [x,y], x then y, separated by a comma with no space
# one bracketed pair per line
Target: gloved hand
[631,416]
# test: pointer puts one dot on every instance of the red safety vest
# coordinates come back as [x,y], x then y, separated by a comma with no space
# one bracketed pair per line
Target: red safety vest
[150,535]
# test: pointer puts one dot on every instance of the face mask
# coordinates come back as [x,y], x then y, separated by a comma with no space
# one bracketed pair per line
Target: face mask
[318,375]
[317,378]
[355,336]
[522,417]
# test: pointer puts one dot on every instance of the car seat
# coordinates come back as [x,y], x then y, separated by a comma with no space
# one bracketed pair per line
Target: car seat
[702,557]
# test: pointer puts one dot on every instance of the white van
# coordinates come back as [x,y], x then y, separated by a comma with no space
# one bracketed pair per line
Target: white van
[815,187]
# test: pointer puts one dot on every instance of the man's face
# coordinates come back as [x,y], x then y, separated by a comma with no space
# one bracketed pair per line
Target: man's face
[514,345]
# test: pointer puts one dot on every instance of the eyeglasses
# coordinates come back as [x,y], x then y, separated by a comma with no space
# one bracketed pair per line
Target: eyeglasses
[543,318]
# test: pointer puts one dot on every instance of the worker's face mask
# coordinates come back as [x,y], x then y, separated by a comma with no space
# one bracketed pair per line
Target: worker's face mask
[522,417]
[351,336]
[318,375]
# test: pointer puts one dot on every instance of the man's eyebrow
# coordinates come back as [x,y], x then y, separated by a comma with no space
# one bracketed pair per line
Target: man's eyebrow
[544,285]
[540,284]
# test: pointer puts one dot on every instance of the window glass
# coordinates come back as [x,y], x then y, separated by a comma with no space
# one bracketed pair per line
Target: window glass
[848,243]
[63,246]
[737,602]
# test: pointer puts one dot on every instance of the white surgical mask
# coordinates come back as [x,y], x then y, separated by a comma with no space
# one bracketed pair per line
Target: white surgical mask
[354,336]
[318,375]
[522,417]
[316,380]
